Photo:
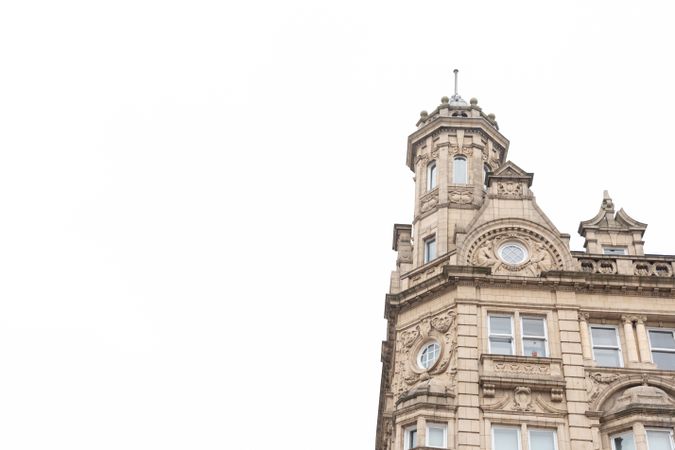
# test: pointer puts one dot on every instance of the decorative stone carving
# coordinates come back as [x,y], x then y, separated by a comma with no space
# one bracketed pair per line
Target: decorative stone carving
[510,189]
[516,367]
[556,395]
[460,151]
[489,390]
[542,256]
[652,268]
[606,266]
[461,197]
[407,373]
[442,323]
[596,382]
[522,399]
[429,201]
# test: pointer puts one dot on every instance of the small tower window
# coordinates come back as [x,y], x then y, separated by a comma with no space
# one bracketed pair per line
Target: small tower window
[431,175]
[459,170]
[429,249]
[486,170]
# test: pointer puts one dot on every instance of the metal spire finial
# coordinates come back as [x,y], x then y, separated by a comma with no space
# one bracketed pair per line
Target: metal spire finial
[456,100]
[456,71]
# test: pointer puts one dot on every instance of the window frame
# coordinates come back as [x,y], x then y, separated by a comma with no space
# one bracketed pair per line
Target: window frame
[426,257]
[604,347]
[659,349]
[444,427]
[466,170]
[551,430]
[406,437]
[623,433]
[612,250]
[499,335]
[661,430]
[424,347]
[517,429]
[522,335]
[432,175]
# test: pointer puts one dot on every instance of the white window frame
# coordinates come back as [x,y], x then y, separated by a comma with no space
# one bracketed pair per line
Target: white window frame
[659,349]
[605,347]
[624,433]
[505,427]
[432,175]
[523,337]
[428,258]
[441,426]
[555,435]
[419,354]
[499,335]
[660,430]
[612,250]
[466,170]
[406,437]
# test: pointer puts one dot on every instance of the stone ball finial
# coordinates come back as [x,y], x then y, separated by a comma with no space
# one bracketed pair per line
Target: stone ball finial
[473,101]
[424,114]
[445,99]
[491,116]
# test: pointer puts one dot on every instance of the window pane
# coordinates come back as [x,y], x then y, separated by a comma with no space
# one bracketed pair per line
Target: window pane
[604,336]
[412,439]
[459,171]
[436,437]
[659,440]
[534,347]
[661,339]
[500,325]
[505,438]
[501,346]
[533,327]
[429,250]
[664,360]
[542,440]
[607,357]
[624,442]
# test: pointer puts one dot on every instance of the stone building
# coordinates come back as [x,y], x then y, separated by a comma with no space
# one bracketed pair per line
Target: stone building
[501,338]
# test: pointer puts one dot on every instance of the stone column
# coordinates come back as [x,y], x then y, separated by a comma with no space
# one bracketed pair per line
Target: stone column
[421,432]
[642,339]
[630,338]
[585,338]
[640,436]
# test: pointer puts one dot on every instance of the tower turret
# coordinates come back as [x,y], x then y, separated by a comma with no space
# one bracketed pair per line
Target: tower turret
[451,153]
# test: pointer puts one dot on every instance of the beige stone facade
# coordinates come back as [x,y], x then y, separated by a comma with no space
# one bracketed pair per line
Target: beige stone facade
[501,338]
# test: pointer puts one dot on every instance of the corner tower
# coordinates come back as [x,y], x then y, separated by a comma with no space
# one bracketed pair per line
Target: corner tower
[451,153]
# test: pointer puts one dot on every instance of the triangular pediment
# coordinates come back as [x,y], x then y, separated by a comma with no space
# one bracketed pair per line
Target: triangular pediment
[509,170]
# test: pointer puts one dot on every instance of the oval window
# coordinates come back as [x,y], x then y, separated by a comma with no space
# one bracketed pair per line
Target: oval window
[513,253]
[428,355]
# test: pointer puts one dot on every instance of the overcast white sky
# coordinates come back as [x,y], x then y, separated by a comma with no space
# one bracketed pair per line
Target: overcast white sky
[197,198]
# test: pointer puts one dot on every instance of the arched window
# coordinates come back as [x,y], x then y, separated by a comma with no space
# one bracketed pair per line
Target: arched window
[459,170]
[431,175]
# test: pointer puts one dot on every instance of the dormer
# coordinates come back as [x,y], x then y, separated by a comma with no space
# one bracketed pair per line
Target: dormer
[509,181]
[610,233]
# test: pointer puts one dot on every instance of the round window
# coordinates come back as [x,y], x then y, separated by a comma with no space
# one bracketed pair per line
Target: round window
[429,354]
[513,253]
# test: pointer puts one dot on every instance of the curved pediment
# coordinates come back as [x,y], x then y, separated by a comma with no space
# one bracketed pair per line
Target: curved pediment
[515,247]
[633,392]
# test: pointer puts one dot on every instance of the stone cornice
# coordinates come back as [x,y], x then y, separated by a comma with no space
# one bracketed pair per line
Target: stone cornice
[556,280]
[478,125]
